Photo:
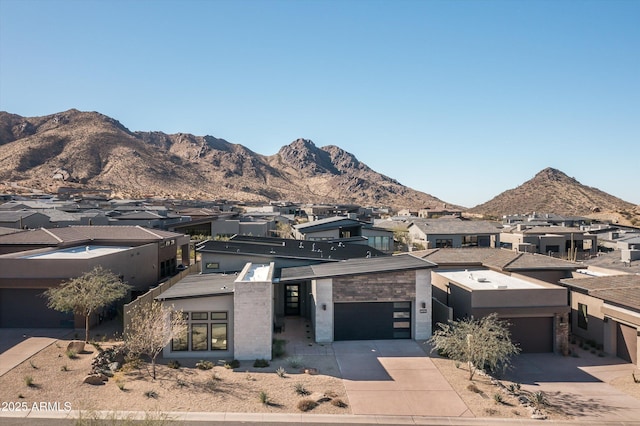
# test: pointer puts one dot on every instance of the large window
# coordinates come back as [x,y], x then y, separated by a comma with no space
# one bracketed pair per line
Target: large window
[583,317]
[207,331]
[442,243]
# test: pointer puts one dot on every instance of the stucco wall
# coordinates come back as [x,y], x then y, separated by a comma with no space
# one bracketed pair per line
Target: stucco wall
[223,303]
[422,317]
[595,317]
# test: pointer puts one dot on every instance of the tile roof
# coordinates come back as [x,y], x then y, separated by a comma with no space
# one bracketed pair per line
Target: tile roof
[355,267]
[456,226]
[198,285]
[507,260]
[73,234]
[622,290]
[614,261]
[15,215]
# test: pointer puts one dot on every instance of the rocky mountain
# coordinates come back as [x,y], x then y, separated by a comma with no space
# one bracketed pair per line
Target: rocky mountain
[92,151]
[552,191]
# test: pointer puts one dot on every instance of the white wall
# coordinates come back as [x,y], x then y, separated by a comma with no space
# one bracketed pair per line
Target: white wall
[322,291]
[422,323]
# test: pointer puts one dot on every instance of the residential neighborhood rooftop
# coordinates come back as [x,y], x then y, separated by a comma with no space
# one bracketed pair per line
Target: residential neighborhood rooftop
[84,252]
[623,290]
[198,285]
[483,279]
[355,267]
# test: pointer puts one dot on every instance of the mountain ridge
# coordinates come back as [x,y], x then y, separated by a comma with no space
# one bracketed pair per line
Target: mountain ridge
[91,150]
[552,191]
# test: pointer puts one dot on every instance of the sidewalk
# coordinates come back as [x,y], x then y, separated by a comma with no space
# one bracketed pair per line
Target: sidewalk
[267,418]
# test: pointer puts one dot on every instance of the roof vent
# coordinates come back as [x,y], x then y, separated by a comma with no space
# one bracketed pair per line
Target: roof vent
[500,286]
[482,280]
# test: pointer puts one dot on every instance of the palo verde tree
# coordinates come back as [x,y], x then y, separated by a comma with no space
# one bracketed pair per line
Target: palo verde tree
[87,293]
[481,343]
[151,328]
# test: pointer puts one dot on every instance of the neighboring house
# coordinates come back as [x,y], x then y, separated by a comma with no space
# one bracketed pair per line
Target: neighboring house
[148,219]
[545,219]
[165,243]
[340,228]
[231,256]
[429,213]
[606,310]
[558,241]
[245,226]
[23,219]
[453,233]
[536,311]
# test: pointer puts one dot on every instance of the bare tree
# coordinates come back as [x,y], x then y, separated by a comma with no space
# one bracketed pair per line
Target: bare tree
[481,343]
[87,293]
[152,327]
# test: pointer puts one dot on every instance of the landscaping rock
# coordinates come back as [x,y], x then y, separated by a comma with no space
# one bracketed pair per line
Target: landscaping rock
[319,397]
[93,380]
[114,366]
[76,346]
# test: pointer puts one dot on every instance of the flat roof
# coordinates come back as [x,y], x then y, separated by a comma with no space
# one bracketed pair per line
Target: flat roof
[484,279]
[82,252]
[200,285]
[256,272]
[355,267]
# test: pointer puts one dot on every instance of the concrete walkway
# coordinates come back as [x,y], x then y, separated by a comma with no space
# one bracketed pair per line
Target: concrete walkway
[395,377]
[17,345]
[579,386]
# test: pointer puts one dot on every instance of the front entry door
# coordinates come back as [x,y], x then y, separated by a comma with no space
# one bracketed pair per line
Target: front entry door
[292,299]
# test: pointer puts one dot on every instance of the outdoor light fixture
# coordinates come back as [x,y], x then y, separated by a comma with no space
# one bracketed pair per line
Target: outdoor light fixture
[324,306]
[424,305]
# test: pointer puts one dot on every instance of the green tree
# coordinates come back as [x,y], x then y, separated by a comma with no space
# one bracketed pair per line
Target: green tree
[481,343]
[87,293]
[152,327]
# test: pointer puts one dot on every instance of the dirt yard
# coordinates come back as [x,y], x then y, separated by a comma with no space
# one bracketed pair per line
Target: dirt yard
[51,376]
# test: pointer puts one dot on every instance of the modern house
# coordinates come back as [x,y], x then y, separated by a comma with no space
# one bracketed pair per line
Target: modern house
[558,241]
[454,233]
[232,255]
[233,316]
[36,260]
[536,311]
[606,310]
[344,228]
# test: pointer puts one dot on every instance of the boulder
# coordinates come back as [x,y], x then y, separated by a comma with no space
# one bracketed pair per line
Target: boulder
[114,366]
[93,380]
[76,345]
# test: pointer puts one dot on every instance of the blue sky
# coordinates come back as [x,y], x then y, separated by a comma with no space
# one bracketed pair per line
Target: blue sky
[459,99]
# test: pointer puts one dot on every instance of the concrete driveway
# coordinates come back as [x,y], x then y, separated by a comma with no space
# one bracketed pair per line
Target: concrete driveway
[19,344]
[395,377]
[579,386]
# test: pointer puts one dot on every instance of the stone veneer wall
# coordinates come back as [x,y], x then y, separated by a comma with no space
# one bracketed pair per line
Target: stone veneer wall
[561,327]
[375,287]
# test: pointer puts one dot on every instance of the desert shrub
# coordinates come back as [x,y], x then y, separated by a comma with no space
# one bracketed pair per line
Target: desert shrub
[473,388]
[300,389]
[277,349]
[260,363]
[294,362]
[120,385]
[151,394]
[71,354]
[28,380]
[497,398]
[175,364]
[64,368]
[204,365]
[281,372]
[97,346]
[338,403]
[263,397]
[514,388]
[233,364]
[306,404]
[538,399]
[490,411]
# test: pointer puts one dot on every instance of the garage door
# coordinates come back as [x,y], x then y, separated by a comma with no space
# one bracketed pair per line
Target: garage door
[627,343]
[26,308]
[372,321]
[533,335]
